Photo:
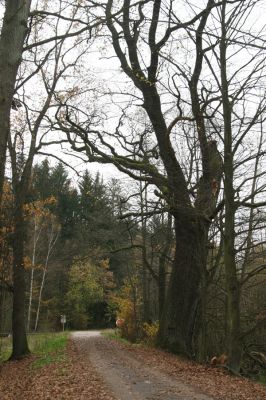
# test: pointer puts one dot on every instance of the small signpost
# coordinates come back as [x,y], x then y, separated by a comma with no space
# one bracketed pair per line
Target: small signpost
[63,321]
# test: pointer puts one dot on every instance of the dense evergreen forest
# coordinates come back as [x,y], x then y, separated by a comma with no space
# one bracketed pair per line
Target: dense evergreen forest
[71,266]
[171,95]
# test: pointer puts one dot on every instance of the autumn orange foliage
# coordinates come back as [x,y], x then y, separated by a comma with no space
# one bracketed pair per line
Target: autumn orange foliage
[221,360]
[127,307]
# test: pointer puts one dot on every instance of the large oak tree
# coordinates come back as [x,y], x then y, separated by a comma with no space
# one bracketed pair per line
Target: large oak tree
[176,63]
[150,27]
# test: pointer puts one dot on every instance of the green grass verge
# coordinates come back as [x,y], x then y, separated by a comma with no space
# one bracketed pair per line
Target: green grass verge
[49,348]
[5,348]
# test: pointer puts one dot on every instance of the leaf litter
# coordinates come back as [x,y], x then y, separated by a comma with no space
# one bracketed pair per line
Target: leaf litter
[77,378]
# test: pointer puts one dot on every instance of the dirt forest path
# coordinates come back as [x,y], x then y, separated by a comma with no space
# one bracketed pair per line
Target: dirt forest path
[127,377]
[94,367]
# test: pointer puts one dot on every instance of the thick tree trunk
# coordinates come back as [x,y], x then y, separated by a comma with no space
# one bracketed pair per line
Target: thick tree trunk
[20,345]
[12,37]
[177,322]
[162,266]
[161,286]
[145,286]
[145,295]
[234,347]
[202,319]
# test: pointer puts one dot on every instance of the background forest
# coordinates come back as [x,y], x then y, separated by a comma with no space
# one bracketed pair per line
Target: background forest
[84,261]
[172,96]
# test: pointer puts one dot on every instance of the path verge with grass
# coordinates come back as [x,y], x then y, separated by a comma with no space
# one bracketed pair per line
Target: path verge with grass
[53,371]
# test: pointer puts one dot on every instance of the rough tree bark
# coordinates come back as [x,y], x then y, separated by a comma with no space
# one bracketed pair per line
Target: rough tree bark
[178,318]
[20,345]
[165,252]
[12,37]
[145,286]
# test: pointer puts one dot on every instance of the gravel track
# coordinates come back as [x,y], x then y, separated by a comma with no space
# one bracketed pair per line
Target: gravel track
[127,377]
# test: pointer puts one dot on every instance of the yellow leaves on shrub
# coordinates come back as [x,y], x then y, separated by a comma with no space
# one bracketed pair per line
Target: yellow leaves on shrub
[127,305]
[104,263]
[150,331]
